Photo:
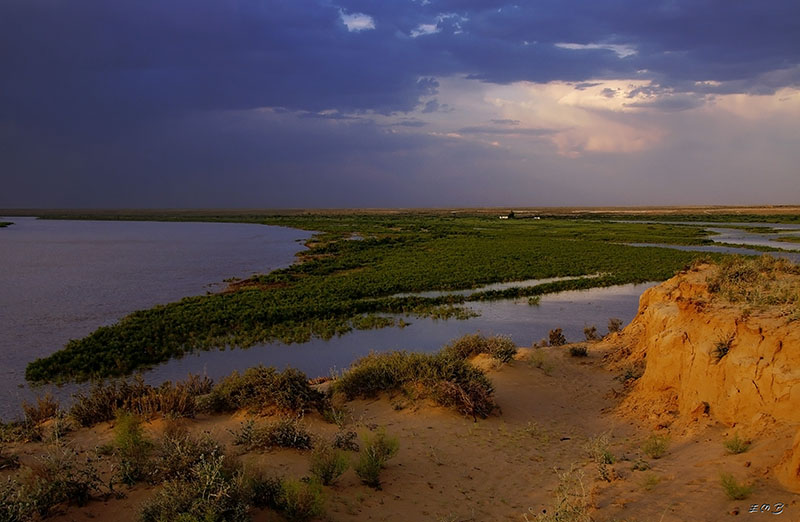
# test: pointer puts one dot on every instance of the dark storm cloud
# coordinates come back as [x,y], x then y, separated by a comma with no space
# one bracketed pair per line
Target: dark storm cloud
[103,97]
[85,61]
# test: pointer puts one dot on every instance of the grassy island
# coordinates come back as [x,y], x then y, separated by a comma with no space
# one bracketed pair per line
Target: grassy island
[354,266]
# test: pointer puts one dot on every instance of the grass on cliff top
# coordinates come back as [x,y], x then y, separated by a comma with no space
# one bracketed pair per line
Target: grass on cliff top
[762,281]
[343,284]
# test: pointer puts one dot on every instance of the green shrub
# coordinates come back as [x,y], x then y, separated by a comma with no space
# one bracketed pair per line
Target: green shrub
[60,476]
[375,453]
[578,351]
[300,501]
[264,491]
[556,337]
[614,325]
[736,445]
[328,464]
[655,446]
[131,448]
[733,489]
[535,300]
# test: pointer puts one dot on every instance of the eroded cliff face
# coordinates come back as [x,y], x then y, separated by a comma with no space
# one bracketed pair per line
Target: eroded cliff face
[705,357]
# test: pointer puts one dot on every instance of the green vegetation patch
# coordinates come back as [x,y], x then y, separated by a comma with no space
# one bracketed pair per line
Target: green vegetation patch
[342,284]
[5,223]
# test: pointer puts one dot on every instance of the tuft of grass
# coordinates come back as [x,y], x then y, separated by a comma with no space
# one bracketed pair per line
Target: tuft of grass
[630,373]
[722,346]
[178,452]
[301,501]
[650,481]
[578,351]
[760,282]
[534,300]
[501,347]
[556,337]
[655,446]
[45,408]
[538,359]
[104,399]
[733,489]
[131,448]
[570,502]
[287,432]
[736,445]
[598,449]
[375,453]
[328,463]
[614,325]
[590,333]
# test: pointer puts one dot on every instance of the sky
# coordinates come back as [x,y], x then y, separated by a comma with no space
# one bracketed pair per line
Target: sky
[398,103]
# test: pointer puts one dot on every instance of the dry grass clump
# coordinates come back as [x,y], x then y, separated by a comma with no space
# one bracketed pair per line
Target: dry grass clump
[283,433]
[571,501]
[501,347]
[763,281]
[328,463]
[44,409]
[264,388]
[614,325]
[556,337]
[105,398]
[444,377]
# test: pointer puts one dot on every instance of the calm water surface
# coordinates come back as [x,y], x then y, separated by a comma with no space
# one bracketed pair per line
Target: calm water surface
[61,280]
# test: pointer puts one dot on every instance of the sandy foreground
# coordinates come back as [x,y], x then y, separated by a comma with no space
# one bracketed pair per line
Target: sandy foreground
[506,467]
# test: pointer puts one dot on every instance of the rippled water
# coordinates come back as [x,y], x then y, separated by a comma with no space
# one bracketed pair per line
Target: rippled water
[61,280]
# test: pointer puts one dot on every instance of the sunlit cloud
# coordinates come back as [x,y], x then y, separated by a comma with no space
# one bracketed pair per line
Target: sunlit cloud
[356,22]
[622,51]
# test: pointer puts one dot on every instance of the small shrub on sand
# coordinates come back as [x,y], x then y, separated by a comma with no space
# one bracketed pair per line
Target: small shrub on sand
[44,409]
[736,445]
[283,433]
[213,491]
[556,337]
[375,453]
[598,449]
[177,452]
[301,501]
[571,501]
[538,359]
[501,347]
[262,388]
[578,351]
[614,325]
[328,464]
[444,377]
[590,333]
[534,300]
[733,489]
[131,448]
[346,440]
[655,446]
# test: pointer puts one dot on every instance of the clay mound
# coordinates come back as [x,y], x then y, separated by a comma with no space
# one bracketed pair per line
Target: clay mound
[703,356]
